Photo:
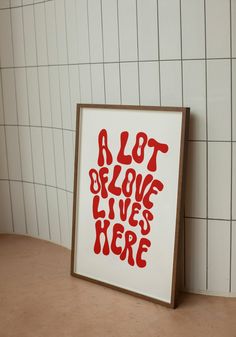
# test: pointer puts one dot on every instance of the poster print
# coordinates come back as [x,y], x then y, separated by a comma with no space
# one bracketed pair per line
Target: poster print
[127,197]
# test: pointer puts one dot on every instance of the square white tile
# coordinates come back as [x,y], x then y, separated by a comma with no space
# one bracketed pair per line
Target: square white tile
[234,181]
[234,99]
[33,96]
[194,95]
[71,29]
[3,155]
[44,93]
[129,83]
[195,254]
[149,83]
[6,225]
[53,213]
[41,38]
[29,35]
[30,209]
[69,159]
[195,195]
[51,32]
[193,32]
[65,97]
[74,92]
[112,82]
[18,36]
[6,51]
[38,155]
[110,30]
[218,100]
[59,158]
[218,256]
[233,261]
[61,31]
[26,154]
[127,30]
[18,208]
[49,154]
[9,96]
[13,153]
[171,87]
[233,19]
[42,211]
[82,31]
[85,83]
[219,180]
[147,30]
[55,96]
[22,96]
[169,29]
[218,28]
[98,87]
[95,31]
[63,215]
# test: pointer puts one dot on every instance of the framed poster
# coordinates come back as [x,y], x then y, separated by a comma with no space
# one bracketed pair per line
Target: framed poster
[128,190]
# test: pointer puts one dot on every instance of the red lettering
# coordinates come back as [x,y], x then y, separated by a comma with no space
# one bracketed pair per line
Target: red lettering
[101,230]
[141,185]
[103,180]
[156,186]
[127,185]
[118,230]
[103,147]
[112,188]
[152,164]
[124,205]
[96,213]
[94,181]
[138,149]
[145,225]
[122,158]
[143,247]
[135,210]
[130,240]
[111,214]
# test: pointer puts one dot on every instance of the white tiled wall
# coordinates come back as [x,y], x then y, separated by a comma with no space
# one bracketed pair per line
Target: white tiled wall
[57,53]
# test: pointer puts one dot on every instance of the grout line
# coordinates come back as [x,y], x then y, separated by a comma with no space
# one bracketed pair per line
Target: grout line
[68,73]
[103,57]
[17,118]
[158,52]
[40,115]
[30,131]
[211,141]
[62,137]
[121,62]
[68,64]
[118,30]
[73,131]
[207,196]
[39,126]
[51,128]
[206,218]
[231,150]
[36,183]
[8,170]
[138,63]
[26,5]
[182,102]
[89,50]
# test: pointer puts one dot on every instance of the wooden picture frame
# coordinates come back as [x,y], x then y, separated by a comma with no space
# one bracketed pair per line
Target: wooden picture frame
[128,197]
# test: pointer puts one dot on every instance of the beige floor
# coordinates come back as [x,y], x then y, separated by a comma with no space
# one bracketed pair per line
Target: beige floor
[38,297]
